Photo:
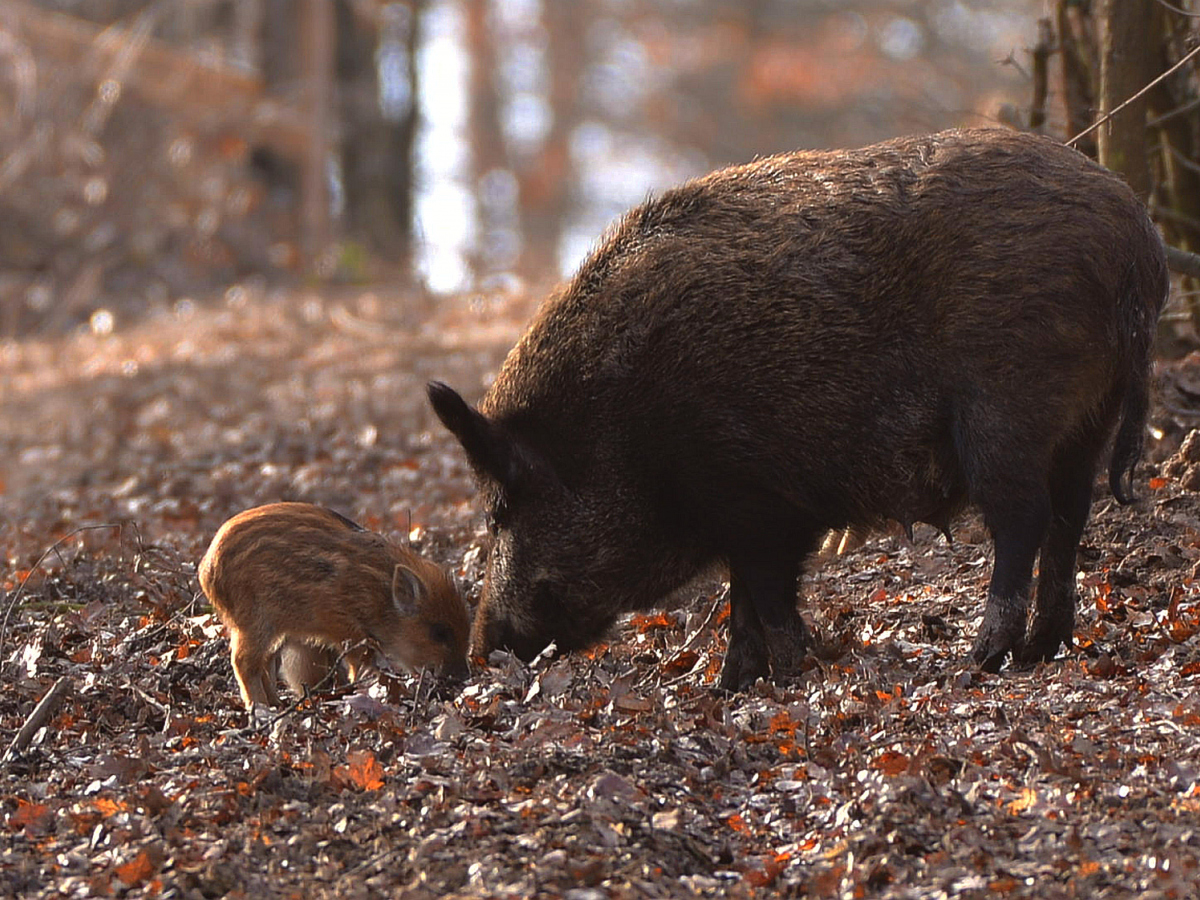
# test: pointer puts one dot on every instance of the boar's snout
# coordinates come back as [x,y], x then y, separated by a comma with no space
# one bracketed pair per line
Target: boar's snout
[494,632]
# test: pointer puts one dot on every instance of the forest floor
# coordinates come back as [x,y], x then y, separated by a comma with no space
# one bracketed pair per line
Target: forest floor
[889,769]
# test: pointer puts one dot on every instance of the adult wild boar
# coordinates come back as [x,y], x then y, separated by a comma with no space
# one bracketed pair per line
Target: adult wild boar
[809,342]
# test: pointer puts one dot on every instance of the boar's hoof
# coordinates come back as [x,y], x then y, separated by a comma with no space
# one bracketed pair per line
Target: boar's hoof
[789,647]
[993,645]
[1046,634]
[745,663]
[741,675]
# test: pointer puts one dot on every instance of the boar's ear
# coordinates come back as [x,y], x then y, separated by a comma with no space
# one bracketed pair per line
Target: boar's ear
[489,450]
[408,590]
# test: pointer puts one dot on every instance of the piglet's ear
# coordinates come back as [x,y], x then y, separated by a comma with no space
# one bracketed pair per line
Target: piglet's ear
[489,450]
[408,590]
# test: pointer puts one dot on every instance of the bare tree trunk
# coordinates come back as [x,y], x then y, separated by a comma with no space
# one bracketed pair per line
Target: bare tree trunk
[488,156]
[247,31]
[377,142]
[545,183]
[1178,189]
[1077,46]
[316,60]
[1127,64]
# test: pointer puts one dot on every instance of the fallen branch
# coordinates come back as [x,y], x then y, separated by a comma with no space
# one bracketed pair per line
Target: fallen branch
[40,715]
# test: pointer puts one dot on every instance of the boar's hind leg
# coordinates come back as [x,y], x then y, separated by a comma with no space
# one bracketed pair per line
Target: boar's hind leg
[1053,619]
[763,623]
[1018,523]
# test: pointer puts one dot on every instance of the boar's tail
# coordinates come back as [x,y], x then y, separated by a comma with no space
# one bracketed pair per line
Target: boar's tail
[1127,447]
[1143,297]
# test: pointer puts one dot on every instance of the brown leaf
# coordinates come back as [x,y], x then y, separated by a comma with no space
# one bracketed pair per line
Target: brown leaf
[891,762]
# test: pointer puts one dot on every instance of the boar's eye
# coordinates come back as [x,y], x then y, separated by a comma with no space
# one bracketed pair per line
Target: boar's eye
[441,633]
[497,518]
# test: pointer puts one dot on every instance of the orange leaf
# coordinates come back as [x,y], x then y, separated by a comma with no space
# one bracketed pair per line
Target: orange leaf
[737,823]
[713,667]
[879,596]
[648,623]
[1182,631]
[595,652]
[27,814]
[1027,799]
[782,722]
[364,770]
[85,821]
[771,869]
[1157,484]
[137,870]
[106,806]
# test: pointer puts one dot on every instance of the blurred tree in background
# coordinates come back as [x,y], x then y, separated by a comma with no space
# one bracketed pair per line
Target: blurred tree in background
[152,150]
[1109,52]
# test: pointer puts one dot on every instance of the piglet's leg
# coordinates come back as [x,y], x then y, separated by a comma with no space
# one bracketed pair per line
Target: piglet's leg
[252,666]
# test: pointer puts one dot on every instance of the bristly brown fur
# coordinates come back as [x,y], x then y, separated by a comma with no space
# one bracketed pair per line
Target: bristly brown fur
[814,341]
[298,575]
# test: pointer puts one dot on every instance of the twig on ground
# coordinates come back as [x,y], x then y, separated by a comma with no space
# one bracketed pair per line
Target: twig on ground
[16,595]
[704,626]
[40,715]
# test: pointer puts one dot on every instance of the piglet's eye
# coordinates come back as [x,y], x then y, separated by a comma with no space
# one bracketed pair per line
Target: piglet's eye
[440,633]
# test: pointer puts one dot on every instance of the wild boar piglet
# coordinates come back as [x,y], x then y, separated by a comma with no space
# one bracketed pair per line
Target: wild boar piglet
[295,582]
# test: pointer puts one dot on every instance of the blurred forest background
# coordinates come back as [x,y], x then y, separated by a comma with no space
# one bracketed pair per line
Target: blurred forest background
[153,153]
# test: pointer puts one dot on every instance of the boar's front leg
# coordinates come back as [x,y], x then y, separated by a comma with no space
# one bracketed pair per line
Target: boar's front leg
[766,634]
[1017,526]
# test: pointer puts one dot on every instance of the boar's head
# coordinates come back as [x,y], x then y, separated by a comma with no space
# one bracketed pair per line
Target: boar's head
[568,554]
